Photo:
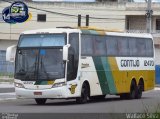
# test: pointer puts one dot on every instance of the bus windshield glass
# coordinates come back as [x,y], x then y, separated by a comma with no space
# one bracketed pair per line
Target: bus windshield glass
[42,40]
[39,57]
[39,64]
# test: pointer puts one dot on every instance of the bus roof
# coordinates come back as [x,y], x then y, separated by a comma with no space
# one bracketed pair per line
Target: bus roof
[139,35]
[112,32]
[51,30]
[88,30]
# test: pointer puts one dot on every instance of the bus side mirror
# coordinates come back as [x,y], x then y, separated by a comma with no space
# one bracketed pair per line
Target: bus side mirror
[10,53]
[65,52]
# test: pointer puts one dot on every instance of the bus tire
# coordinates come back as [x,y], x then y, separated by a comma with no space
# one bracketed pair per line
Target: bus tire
[123,96]
[40,101]
[133,90]
[84,95]
[139,92]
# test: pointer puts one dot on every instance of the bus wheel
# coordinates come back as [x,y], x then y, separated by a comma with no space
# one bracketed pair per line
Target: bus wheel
[84,95]
[123,96]
[133,90]
[40,101]
[139,92]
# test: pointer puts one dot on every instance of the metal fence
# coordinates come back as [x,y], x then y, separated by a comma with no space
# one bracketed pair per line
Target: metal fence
[6,68]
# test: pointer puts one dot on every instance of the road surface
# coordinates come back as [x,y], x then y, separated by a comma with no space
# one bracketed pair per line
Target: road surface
[150,102]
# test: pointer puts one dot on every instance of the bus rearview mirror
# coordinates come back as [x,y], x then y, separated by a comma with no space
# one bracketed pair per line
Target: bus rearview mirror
[10,53]
[65,52]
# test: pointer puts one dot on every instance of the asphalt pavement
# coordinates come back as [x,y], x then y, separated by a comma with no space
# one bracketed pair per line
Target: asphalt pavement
[150,103]
[100,109]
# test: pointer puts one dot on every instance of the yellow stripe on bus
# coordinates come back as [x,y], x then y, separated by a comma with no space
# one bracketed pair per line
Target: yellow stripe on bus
[122,79]
[50,82]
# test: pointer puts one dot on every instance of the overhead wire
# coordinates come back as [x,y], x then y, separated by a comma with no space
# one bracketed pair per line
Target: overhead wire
[67,15]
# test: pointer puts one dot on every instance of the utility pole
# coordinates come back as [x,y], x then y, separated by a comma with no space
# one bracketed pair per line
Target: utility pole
[149,16]
[79,20]
[87,20]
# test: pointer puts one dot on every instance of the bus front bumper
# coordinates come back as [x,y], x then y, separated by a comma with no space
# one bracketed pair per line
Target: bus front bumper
[59,92]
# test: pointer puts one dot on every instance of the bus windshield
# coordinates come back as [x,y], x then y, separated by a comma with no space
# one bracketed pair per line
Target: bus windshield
[42,40]
[43,64]
[40,57]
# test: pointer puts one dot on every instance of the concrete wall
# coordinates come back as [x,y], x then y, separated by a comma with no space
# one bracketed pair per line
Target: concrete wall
[6,43]
[114,14]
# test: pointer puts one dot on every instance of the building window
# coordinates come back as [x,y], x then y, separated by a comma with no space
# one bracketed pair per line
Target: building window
[157,24]
[41,17]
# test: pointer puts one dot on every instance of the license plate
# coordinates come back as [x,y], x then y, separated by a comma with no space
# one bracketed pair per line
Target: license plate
[37,93]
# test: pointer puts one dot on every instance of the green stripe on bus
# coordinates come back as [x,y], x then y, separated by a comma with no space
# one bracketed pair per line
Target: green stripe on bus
[108,73]
[41,83]
[85,31]
[90,32]
[101,75]
[94,32]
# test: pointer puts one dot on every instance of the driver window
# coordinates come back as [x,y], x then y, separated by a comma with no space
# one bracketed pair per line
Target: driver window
[73,56]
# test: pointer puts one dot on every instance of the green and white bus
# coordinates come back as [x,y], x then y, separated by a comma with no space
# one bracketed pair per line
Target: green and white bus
[82,63]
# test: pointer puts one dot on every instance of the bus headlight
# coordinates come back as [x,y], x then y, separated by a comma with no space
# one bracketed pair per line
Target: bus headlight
[58,84]
[19,85]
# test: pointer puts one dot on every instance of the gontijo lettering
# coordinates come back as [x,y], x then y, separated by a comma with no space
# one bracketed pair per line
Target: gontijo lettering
[130,63]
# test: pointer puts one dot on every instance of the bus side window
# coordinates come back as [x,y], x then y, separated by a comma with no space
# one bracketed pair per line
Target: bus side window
[149,47]
[111,42]
[123,46]
[73,56]
[141,47]
[132,47]
[99,46]
[87,45]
